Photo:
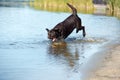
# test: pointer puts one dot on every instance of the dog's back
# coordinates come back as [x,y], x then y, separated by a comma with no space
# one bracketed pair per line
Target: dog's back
[74,16]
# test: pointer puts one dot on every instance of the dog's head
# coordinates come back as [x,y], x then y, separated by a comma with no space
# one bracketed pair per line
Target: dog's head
[53,34]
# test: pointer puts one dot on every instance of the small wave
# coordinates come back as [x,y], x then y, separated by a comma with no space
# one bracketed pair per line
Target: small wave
[87,40]
[92,40]
[22,44]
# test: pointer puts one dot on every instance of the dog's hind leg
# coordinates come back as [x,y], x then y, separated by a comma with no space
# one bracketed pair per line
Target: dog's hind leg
[84,33]
[81,28]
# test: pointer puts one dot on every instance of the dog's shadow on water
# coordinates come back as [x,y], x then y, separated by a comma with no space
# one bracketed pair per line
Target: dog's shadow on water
[64,52]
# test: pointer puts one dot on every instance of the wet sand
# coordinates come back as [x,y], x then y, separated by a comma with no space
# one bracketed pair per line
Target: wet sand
[110,67]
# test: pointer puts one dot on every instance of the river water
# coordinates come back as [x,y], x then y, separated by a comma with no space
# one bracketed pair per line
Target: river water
[27,54]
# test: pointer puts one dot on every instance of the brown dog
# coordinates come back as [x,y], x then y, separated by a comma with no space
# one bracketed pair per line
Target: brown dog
[64,29]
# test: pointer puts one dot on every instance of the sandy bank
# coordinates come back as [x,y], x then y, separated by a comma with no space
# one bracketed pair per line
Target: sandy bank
[110,68]
[100,9]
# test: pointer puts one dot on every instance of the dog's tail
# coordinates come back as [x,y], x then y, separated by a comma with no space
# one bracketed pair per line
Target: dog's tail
[73,9]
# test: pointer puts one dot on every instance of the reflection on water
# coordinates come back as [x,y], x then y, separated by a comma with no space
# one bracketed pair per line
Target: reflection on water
[62,51]
[74,52]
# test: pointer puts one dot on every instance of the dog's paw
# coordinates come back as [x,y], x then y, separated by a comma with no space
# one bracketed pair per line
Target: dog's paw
[84,34]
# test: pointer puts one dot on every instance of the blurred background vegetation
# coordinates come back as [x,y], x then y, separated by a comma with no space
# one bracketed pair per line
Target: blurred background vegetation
[110,7]
[113,6]
[85,6]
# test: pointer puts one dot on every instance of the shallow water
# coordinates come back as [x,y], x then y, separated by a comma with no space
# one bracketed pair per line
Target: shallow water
[27,54]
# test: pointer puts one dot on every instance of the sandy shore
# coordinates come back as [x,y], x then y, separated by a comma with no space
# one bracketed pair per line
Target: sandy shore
[110,67]
[100,9]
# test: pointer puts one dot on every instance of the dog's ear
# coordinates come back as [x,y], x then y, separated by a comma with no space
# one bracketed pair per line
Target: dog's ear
[47,29]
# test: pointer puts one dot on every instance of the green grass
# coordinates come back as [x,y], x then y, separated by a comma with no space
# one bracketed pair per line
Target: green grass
[114,7]
[84,6]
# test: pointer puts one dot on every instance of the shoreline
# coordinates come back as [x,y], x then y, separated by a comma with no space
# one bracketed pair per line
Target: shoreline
[100,9]
[109,68]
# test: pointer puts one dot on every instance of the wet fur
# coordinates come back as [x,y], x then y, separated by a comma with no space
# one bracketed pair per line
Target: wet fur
[64,29]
